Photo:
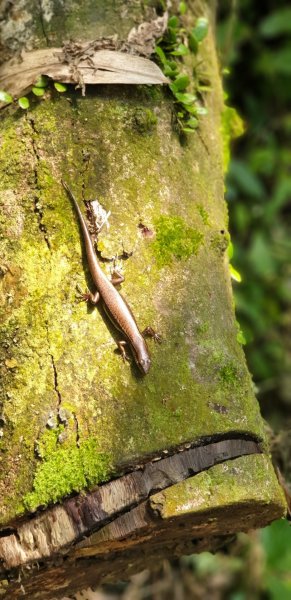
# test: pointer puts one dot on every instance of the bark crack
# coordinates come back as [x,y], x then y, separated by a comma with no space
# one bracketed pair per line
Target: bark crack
[41,18]
[77,429]
[55,374]
[38,209]
[56,385]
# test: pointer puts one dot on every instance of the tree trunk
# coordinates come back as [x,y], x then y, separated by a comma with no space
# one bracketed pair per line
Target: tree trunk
[181,452]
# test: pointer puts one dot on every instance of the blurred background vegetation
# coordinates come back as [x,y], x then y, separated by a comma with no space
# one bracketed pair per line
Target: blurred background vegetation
[254,41]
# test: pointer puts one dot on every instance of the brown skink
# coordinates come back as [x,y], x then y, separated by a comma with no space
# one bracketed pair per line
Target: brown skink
[114,305]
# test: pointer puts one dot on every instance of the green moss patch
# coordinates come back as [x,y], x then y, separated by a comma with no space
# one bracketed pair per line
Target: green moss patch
[175,239]
[65,469]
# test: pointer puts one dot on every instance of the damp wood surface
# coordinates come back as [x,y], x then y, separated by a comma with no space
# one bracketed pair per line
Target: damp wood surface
[73,415]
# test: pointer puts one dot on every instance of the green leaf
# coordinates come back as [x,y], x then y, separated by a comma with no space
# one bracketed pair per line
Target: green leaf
[191,109]
[161,54]
[185,98]
[182,8]
[193,43]
[169,72]
[171,68]
[181,50]
[38,91]
[201,110]
[192,122]
[41,82]
[230,250]
[201,29]
[277,23]
[234,274]
[23,102]
[173,22]
[180,83]
[5,97]
[188,130]
[60,87]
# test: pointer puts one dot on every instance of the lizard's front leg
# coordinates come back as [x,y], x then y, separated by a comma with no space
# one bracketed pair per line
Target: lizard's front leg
[88,296]
[150,332]
[121,345]
[116,277]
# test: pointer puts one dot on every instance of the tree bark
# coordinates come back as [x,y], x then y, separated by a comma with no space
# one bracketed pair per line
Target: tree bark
[181,453]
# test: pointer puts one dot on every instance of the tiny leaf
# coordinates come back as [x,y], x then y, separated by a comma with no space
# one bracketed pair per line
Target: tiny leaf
[60,87]
[5,97]
[168,71]
[201,29]
[38,91]
[182,8]
[23,102]
[193,43]
[192,122]
[181,50]
[180,83]
[234,274]
[161,54]
[173,22]
[185,98]
[230,250]
[41,82]
[188,130]
[201,110]
[191,108]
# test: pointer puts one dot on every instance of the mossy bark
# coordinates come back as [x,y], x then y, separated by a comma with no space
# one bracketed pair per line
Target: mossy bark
[74,414]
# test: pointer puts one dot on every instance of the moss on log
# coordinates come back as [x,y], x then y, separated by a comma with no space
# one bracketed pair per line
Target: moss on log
[73,414]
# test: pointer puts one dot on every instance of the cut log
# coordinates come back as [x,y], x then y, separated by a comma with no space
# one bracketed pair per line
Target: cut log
[105,471]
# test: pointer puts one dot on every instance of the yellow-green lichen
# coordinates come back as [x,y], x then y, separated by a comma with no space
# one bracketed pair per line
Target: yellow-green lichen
[175,239]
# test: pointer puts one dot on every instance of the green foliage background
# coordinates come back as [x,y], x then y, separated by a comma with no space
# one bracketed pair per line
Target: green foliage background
[255,45]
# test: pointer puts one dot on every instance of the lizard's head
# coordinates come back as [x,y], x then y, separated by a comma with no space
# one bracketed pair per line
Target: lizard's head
[144,364]
[142,356]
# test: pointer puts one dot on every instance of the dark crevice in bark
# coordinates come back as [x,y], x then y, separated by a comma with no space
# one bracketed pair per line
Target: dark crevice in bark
[77,429]
[56,387]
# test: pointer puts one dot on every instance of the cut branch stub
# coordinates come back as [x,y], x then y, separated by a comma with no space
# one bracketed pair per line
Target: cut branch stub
[95,66]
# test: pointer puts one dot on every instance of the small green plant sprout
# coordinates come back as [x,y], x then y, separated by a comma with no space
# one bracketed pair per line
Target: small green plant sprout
[38,89]
[233,272]
[60,87]
[24,102]
[5,97]
[40,85]
[173,47]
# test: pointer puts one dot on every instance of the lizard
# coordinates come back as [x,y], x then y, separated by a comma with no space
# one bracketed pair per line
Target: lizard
[113,303]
